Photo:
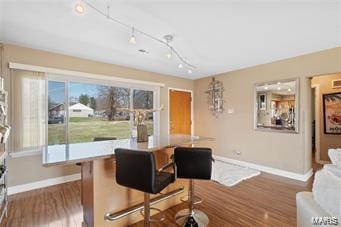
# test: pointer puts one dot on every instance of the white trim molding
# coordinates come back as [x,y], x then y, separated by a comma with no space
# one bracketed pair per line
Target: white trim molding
[13,65]
[266,169]
[43,183]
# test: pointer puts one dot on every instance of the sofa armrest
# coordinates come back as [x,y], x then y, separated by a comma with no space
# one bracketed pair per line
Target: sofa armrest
[308,208]
[334,169]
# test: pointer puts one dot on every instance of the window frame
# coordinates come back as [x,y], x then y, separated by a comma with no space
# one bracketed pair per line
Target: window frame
[114,83]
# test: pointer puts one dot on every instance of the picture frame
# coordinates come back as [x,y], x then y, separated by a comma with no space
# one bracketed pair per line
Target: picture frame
[332,113]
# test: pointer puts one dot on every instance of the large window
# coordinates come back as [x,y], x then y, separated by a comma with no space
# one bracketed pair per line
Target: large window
[56,113]
[78,112]
[50,109]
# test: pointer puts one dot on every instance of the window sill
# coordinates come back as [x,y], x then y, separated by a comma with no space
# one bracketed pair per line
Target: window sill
[21,154]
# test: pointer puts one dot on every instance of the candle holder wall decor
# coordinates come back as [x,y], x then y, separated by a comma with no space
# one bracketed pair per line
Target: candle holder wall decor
[215,97]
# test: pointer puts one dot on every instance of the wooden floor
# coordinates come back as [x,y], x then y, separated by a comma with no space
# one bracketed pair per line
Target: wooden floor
[265,200]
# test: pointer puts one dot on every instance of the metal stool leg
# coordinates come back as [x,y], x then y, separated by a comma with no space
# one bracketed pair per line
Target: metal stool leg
[146,210]
[191,217]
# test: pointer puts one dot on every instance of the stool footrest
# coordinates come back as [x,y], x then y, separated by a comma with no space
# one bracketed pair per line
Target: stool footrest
[160,213]
[196,199]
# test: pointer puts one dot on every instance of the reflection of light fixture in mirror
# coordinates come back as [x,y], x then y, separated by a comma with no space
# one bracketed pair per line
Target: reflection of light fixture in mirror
[215,97]
[79,8]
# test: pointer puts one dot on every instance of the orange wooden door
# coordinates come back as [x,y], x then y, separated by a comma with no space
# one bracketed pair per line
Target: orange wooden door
[180,112]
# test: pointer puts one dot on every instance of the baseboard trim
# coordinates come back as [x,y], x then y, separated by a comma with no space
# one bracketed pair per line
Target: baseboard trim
[279,172]
[43,183]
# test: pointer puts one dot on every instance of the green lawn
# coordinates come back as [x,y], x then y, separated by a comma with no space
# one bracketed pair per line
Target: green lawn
[85,129]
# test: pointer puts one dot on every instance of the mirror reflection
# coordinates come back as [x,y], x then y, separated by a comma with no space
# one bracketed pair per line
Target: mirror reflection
[276,105]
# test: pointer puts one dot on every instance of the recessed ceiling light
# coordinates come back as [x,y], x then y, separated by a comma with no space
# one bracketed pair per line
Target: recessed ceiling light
[278,83]
[79,8]
[180,66]
[266,87]
[189,71]
[289,89]
[279,88]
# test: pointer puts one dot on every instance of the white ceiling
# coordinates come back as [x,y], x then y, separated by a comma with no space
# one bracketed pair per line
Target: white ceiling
[216,36]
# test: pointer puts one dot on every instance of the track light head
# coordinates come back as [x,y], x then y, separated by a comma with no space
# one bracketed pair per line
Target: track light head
[80,7]
[169,55]
[132,38]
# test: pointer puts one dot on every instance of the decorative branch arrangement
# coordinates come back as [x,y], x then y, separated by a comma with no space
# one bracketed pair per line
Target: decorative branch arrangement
[140,116]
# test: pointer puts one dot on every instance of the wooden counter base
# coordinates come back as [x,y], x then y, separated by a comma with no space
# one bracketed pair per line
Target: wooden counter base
[101,193]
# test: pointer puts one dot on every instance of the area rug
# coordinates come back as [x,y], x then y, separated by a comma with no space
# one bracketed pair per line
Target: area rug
[229,174]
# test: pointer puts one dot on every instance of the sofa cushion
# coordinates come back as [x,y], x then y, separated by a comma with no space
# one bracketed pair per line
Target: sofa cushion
[335,156]
[327,190]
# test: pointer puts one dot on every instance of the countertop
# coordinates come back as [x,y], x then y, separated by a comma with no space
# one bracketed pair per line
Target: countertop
[82,152]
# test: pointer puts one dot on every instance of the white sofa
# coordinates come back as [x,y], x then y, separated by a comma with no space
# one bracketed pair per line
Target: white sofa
[307,208]
[324,201]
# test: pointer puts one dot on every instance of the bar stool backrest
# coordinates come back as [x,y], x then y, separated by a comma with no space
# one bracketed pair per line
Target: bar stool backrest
[136,169]
[193,162]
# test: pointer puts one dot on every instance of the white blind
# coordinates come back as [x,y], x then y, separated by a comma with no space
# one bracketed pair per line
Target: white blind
[28,110]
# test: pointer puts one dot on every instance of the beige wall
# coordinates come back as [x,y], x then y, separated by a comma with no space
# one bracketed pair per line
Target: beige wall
[326,140]
[234,132]
[29,169]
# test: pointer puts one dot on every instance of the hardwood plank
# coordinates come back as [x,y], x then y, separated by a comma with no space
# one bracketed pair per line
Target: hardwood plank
[265,200]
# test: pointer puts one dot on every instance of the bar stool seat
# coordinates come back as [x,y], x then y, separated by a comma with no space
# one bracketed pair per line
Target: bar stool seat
[162,180]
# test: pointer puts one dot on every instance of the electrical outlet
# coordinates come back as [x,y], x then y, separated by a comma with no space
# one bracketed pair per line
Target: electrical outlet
[230,111]
[236,152]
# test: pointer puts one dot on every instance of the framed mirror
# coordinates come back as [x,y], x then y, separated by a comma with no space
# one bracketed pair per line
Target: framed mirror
[276,106]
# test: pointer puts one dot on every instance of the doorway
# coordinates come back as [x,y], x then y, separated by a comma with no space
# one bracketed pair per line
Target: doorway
[326,113]
[180,111]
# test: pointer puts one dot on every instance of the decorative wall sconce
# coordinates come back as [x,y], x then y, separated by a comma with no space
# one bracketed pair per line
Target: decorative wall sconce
[215,97]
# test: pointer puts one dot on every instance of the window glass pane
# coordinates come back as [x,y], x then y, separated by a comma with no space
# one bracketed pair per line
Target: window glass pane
[143,99]
[94,112]
[56,113]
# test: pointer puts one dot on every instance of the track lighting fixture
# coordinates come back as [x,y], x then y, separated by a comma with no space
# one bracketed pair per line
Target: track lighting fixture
[132,38]
[80,8]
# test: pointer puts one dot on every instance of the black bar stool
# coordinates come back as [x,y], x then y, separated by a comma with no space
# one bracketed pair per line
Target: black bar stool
[192,163]
[137,170]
